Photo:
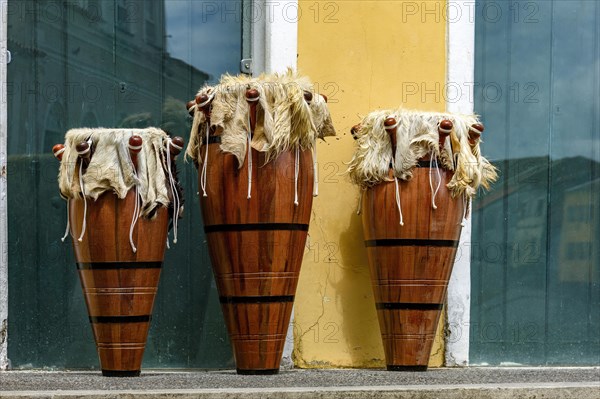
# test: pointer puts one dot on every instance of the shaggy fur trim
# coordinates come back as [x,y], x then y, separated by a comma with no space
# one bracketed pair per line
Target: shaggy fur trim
[110,167]
[284,119]
[417,136]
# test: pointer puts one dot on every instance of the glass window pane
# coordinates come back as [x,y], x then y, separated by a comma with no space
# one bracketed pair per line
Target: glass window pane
[536,254]
[106,63]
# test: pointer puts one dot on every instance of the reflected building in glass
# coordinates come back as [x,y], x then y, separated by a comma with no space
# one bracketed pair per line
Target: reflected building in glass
[93,63]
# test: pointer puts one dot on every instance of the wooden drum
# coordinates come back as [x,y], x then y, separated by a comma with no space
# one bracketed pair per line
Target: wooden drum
[411,264]
[119,254]
[256,247]
[412,228]
[256,219]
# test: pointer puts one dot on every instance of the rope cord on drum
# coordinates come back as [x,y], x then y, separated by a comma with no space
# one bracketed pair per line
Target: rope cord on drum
[204,172]
[465,214]
[203,175]
[397,194]
[439,179]
[137,208]
[68,229]
[296,173]
[84,224]
[176,201]
[250,154]
[315,170]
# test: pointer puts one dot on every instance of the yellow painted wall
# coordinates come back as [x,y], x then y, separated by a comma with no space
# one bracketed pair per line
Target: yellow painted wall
[363,55]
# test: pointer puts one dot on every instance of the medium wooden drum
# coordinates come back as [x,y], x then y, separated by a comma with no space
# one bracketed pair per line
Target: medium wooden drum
[411,229]
[119,254]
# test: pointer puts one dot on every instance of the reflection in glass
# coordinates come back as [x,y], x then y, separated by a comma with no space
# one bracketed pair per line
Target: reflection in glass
[114,64]
[535,247]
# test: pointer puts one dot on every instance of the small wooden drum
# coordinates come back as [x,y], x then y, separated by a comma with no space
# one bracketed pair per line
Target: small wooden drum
[119,242]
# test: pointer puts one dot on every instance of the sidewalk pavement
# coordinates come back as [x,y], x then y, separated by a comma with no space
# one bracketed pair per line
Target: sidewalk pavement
[455,383]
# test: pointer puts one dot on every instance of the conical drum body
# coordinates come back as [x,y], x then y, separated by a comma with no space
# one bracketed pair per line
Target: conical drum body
[411,264]
[119,285]
[256,246]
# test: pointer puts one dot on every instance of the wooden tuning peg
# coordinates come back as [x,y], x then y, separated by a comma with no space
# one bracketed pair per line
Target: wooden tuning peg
[354,131]
[84,151]
[444,130]
[135,146]
[176,146]
[189,106]
[308,97]
[58,151]
[252,96]
[475,132]
[391,126]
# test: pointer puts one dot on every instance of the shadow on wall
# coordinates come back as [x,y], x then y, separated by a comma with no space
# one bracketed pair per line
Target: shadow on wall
[360,326]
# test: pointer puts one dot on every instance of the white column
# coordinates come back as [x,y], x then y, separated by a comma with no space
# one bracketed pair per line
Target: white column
[274,49]
[3,203]
[275,35]
[461,62]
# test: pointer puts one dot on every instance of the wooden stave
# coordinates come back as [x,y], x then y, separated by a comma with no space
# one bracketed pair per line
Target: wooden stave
[118,283]
[257,351]
[407,348]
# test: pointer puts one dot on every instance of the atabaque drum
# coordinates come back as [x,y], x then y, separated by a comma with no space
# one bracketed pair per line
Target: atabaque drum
[256,210]
[122,190]
[412,218]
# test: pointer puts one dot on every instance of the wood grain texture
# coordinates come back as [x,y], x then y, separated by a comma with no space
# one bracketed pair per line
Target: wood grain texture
[119,285]
[256,247]
[411,264]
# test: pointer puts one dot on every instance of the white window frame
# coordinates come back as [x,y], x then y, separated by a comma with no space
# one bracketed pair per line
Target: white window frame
[4,59]
[461,75]
[274,36]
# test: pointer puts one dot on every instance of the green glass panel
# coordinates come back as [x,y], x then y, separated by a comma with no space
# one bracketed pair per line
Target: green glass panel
[536,253]
[112,64]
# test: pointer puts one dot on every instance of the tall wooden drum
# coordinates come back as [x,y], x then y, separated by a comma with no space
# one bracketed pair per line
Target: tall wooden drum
[411,229]
[256,215]
[119,232]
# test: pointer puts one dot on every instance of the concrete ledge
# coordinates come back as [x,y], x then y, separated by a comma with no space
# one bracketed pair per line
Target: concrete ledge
[451,383]
[501,391]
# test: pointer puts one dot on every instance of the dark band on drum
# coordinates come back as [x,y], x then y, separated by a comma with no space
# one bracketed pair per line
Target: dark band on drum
[230,300]
[408,306]
[427,164]
[258,372]
[410,242]
[145,318]
[220,228]
[212,140]
[121,373]
[118,265]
